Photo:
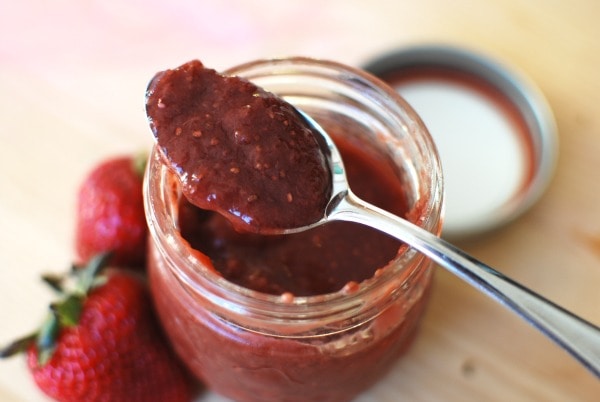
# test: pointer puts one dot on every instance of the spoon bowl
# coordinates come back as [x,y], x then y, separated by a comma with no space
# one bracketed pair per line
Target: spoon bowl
[575,335]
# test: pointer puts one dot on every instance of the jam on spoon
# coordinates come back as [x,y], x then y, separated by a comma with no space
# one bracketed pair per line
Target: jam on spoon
[238,149]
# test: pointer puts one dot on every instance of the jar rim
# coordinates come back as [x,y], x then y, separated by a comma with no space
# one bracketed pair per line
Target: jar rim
[231,296]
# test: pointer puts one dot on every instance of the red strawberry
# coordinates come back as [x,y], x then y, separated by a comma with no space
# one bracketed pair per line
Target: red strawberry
[102,342]
[110,212]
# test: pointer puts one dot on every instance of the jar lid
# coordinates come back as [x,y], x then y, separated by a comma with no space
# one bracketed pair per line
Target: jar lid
[495,133]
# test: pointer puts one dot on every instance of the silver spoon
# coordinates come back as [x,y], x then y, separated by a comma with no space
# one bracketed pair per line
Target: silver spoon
[577,336]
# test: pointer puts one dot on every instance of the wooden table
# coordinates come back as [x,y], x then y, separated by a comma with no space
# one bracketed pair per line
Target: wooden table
[72,81]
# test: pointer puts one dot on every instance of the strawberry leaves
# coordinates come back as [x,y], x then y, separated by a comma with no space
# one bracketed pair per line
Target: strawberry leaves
[72,288]
[46,338]
[18,346]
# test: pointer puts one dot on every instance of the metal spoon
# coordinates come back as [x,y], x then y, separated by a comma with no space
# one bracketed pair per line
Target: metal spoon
[577,336]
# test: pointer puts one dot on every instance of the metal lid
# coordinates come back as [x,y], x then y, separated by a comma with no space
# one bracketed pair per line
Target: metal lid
[494,130]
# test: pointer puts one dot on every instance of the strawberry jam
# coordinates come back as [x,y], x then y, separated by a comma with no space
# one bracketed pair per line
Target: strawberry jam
[317,261]
[315,316]
[238,150]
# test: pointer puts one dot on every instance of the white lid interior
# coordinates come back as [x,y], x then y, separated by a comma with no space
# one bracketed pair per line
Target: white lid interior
[497,141]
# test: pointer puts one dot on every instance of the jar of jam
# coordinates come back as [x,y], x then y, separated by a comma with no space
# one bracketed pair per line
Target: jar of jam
[315,316]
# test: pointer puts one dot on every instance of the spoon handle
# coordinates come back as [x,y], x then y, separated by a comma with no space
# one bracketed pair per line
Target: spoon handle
[577,336]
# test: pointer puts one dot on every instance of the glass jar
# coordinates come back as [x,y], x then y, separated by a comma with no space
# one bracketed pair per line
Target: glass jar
[252,346]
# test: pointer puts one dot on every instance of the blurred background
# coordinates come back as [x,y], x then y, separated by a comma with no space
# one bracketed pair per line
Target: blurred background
[72,82]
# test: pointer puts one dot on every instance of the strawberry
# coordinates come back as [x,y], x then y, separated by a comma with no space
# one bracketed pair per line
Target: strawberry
[110,212]
[102,342]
